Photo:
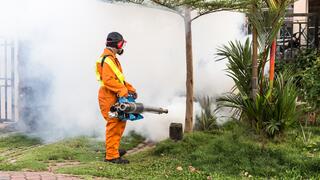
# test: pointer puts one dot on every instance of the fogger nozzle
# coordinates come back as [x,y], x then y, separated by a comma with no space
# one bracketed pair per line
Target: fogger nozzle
[138,108]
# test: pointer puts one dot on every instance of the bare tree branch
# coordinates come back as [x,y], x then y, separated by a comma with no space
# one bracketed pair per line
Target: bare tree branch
[213,11]
[202,7]
[165,5]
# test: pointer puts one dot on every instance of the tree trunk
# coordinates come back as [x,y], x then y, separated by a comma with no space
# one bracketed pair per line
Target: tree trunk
[263,62]
[254,80]
[189,82]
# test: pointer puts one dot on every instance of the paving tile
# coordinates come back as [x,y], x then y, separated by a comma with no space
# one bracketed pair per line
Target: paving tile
[18,176]
[32,173]
[4,177]
[35,176]
[49,177]
[15,173]
[12,178]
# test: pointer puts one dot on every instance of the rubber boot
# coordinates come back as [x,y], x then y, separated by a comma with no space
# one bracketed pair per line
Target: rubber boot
[122,152]
[118,160]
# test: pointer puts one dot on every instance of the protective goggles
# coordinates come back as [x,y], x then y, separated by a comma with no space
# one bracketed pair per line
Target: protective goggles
[121,44]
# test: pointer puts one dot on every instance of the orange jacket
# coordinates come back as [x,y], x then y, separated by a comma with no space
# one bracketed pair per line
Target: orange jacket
[111,82]
[108,93]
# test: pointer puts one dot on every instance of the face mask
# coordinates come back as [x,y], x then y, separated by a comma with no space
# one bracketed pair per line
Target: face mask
[120,51]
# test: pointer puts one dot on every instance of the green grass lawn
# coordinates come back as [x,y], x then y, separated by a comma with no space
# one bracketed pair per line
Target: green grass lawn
[19,152]
[229,153]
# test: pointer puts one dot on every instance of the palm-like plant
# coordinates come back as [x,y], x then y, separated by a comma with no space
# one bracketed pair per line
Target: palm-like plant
[239,64]
[207,120]
[266,18]
[269,113]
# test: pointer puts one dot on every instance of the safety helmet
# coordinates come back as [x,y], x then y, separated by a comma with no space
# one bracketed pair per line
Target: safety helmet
[115,40]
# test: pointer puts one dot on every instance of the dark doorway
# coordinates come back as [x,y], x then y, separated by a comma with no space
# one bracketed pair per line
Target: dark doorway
[314,6]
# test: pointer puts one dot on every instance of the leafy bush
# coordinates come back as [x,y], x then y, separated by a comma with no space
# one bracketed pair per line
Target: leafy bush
[307,68]
[273,110]
[304,60]
[239,64]
[269,113]
[311,85]
[207,120]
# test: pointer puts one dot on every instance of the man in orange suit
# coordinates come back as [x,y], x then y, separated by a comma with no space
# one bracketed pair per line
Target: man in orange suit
[113,86]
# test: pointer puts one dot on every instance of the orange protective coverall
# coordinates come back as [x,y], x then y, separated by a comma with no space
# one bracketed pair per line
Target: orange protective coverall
[108,93]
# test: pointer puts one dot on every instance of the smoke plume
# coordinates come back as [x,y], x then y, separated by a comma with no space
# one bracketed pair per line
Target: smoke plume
[64,39]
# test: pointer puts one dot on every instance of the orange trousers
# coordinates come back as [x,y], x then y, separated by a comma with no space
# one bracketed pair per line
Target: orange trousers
[114,126]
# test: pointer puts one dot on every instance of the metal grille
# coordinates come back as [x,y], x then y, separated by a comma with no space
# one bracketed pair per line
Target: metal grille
[300,31]
[7,80]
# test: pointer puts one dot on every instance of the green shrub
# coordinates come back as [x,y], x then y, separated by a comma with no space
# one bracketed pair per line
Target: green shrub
[207,120]
[311,85]
[274,108]
[270,114]
[307,68]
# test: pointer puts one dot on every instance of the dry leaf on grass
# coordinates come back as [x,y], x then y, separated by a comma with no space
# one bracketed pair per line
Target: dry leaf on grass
[179,168]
